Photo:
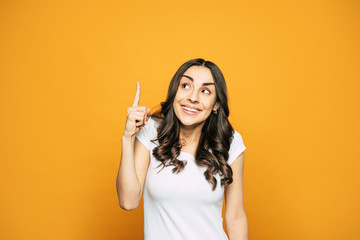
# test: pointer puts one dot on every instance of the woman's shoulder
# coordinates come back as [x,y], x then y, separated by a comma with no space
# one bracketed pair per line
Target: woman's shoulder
[237,138]
[148,133]
[237,147]
[150,129]
[154,122]
[236,135]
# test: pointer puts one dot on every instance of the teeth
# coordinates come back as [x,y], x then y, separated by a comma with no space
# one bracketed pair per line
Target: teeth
[190,109]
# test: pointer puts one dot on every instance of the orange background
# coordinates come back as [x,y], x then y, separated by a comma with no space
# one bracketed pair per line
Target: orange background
[68,72]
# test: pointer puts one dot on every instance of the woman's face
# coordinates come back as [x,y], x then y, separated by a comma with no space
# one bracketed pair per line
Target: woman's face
[195,97]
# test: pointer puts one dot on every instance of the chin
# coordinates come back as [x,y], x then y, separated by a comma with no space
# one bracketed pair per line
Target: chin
[189,120]
[189,123]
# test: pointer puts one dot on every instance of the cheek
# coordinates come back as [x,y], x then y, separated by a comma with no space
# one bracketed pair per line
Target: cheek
[180,95]
[209,102]
[177,99]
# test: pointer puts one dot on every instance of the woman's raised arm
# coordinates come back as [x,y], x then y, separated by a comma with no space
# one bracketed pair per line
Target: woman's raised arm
[135,157]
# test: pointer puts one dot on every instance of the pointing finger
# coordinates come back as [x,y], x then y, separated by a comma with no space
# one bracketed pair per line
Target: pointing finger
[137,95]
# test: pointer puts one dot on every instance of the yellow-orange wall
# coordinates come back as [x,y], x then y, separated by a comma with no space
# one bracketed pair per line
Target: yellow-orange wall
[68,72]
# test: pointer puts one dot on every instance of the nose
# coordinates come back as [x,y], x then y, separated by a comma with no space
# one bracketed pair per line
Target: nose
[193,97]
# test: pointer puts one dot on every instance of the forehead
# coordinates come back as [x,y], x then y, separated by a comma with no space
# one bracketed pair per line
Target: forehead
[200,74]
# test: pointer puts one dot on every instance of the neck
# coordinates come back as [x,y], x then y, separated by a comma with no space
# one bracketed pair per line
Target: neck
[191,134]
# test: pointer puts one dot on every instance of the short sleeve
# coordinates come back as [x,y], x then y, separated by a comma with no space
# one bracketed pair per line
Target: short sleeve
[147,133]
[236,148]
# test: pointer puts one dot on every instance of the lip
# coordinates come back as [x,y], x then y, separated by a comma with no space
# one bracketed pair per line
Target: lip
[189,112]
[188,106]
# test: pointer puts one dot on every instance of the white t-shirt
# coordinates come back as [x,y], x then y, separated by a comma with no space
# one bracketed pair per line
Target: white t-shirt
[182,206]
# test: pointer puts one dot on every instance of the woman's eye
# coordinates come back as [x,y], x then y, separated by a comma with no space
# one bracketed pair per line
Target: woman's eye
[206,91]
[185,85]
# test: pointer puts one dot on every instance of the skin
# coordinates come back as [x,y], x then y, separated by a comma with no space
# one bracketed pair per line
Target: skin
[235,216]
[197,90]
[135,158]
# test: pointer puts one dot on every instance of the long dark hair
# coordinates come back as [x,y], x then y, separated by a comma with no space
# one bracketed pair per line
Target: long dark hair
[216,134]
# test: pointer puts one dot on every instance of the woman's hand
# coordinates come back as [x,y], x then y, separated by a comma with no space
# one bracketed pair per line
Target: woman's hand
[137,116]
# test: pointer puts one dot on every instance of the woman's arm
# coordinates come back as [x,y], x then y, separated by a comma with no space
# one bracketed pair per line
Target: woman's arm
[135,157]
[130,180]
[235,216]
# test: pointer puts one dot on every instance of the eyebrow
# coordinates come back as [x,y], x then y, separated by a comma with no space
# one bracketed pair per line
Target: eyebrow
[204,84]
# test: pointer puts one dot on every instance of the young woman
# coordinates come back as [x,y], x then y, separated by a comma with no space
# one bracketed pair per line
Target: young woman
[183,158]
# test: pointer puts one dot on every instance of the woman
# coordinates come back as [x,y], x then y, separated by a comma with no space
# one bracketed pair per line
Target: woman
[183,158]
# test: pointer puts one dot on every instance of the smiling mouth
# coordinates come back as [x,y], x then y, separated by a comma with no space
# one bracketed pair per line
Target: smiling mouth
[189,109]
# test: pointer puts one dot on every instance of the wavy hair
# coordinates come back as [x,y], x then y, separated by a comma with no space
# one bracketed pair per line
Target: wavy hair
[216,134]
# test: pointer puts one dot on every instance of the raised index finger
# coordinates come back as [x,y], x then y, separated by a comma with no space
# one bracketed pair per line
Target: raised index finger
[137,95]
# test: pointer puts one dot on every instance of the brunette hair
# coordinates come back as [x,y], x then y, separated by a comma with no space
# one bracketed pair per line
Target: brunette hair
[216,134]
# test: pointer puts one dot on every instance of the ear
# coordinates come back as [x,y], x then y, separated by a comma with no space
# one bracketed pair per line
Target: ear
[216,106]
